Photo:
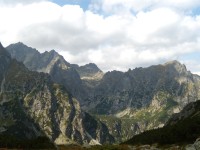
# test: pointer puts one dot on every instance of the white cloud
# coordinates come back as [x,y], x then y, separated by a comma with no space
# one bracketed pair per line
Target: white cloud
[14,2]
[156,32]
[117,6]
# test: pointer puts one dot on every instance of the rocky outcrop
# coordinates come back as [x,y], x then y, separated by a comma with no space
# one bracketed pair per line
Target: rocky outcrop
[33,59]
[31,104]
[89,72]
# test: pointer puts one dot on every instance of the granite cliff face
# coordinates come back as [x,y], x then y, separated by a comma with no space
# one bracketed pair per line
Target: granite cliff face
[31,105]
[89,72]
[128,103]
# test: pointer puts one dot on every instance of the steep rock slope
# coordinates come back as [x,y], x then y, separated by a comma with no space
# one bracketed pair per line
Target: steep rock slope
[89,71]
[51,63]
[181,128]
[33,59]
[91,77]
[32,105]
[10,108]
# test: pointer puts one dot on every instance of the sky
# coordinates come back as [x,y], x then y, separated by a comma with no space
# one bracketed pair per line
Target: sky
[114,34]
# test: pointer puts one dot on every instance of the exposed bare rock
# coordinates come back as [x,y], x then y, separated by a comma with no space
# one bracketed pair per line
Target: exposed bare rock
[31,105]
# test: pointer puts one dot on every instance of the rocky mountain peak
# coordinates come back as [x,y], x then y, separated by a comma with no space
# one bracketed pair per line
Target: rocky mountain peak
[91,66]
[173,62]
[49,56]
[19,44]
[22,47]
[90,71]
[53,53]
[33,59]
[176,66]
[22,53]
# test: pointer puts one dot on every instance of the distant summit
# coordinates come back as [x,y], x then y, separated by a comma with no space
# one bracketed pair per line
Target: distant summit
[176,66]
[172,62]
[91,66]
[32,58]
[90,72]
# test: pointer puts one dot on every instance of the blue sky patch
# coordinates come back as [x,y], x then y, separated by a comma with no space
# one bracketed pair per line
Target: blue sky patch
[82,3]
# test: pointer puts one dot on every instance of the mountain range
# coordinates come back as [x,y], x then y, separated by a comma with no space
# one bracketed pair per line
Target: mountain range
[32,105]
[71,103]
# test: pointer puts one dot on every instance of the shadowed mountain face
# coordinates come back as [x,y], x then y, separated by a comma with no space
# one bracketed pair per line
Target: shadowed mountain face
[127,102]
[12,115]
[32,105]
[183,127]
